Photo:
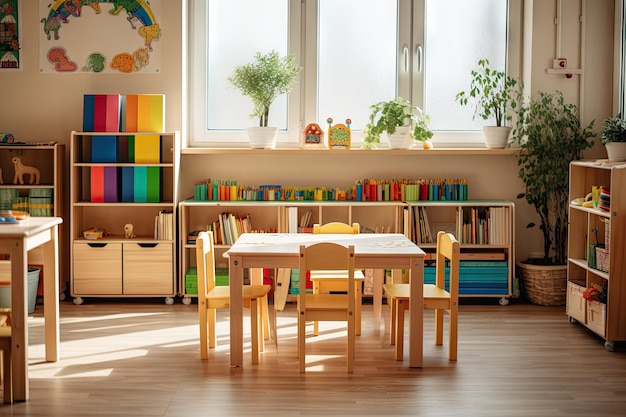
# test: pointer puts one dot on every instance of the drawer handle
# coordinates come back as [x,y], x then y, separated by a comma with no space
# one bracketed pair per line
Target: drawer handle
[147,245]
[97,245]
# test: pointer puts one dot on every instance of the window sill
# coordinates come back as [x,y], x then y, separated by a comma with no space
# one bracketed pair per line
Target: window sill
[351,152]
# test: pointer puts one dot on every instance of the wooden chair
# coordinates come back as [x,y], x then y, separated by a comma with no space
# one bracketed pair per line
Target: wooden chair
[5,351]
[212,297]
[336,281]
[435,297]
[327,307]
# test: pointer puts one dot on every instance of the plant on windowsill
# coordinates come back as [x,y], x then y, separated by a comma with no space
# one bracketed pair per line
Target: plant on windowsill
[495,97]
[550,136]
[400,121]
[263,80]
[614,138]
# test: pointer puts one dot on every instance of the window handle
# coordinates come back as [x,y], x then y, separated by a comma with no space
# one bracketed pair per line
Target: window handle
[405,56]
[419,52]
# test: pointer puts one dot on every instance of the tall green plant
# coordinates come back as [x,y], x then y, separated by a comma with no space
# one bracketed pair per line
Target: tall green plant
[493,93]
[550,136]
[265,78]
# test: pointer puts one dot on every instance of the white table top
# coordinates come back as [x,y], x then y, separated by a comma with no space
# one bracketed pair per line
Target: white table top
[28,227]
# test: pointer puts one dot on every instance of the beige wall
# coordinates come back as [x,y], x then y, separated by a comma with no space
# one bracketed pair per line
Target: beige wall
[49,106]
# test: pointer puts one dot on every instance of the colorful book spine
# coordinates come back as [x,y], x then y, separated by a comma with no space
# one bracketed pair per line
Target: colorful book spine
[129,112]
[88,112]
[104,148]
[97,184]
[99,113]
[140,184]
[153,184]
[147,149]
[128,184]
[110,184]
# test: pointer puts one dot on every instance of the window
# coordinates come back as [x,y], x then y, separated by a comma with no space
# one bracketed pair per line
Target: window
[353,53]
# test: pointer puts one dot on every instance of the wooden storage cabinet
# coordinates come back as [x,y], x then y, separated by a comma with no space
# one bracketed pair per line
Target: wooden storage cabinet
[115,266]
[43,199]
[584,267]
[275,216]
[485,230]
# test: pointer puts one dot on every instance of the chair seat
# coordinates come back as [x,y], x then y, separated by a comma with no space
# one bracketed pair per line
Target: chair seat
[219,297]
[327,302]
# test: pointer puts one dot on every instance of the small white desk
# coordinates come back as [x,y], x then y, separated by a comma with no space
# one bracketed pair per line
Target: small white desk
[17,239]
[375,251]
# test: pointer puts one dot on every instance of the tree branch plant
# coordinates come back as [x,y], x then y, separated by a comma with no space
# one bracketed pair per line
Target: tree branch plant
[493,93]
[550,136]
[265,78]
[387,116]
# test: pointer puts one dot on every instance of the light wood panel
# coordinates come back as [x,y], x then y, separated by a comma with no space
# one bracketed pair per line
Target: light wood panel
[140,358]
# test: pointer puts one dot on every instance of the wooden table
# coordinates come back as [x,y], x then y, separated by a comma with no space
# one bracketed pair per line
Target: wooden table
[376,251]
[17,239]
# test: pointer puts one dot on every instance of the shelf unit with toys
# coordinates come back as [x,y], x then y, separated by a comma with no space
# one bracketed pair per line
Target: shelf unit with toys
[596,266]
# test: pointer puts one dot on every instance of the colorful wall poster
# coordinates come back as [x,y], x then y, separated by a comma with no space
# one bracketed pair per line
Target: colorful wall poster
[9,35]
[99,36]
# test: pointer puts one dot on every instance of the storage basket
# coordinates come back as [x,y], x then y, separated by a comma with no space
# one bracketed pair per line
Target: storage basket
[602,259]
[544,285]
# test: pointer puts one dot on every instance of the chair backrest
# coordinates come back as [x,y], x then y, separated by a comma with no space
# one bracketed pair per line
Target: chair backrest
[329,256]
[448,248]
[336,228]
[205,264]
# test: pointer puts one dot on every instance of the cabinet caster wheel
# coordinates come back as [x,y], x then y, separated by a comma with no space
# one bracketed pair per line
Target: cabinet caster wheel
[78,300]
[503,301]
[169,301]
[609,346]
[186,300]
[572,320]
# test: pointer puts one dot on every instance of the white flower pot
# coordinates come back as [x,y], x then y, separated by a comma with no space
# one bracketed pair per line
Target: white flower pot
[496,137]
[616,151]
[262,137]
[401,139]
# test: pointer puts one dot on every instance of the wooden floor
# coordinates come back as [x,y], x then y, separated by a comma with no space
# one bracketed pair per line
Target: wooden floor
[142,359]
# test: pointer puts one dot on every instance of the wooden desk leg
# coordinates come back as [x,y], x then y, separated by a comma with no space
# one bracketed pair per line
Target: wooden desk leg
[378,281]
[416,312]
[235,272]
[254,330]
[400,309]
[358,307]
[392,319]
[19,311]
[51,296]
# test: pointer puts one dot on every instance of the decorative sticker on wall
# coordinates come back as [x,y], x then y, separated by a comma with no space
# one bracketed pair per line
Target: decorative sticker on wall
[99,36]
[9,35]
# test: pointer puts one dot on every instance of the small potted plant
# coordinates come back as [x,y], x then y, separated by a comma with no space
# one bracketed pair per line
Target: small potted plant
[550,136]
[495,96]
[263,80]
[614,138]
[400,120]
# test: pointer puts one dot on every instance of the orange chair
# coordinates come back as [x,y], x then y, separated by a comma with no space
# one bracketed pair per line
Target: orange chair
[435,297]
[212,297]
[335,281]
[327,307]
[5,350]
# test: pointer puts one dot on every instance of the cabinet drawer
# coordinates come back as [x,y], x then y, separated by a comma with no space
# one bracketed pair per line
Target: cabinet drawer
[596,317]
[148,269]
[576,305]
[97,269]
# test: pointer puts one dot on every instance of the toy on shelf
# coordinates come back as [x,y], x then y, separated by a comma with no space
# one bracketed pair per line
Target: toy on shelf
[312,136]
[21,169]
[339,134]
[129,231]
[6,138]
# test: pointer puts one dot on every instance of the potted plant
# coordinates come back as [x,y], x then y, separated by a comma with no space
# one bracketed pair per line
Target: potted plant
[550,136]
[495,96]
[265,78]
[400,120]
[614,138]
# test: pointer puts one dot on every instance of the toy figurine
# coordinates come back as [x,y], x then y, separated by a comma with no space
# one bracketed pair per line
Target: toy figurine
[21,169]
[128,231]
[339,134]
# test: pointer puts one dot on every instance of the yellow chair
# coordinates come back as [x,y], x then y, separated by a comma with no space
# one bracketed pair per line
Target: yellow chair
[435,297]
[328,281]
[212,297]
[5,350]
[327,307]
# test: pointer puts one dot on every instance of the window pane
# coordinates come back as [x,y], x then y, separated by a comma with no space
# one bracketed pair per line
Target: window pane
[357,58]
[233,40]
[458,34]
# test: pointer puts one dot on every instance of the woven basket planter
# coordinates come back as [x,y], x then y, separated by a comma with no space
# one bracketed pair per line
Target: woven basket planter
[543,285]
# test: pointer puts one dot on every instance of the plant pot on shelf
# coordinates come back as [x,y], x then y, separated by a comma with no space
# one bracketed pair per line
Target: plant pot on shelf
[262,137]
[616,151]
[496,137]
[401,139]
[542,284]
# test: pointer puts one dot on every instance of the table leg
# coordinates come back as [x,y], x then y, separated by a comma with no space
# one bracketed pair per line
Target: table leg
[51,296]
[235,271]
[19,311]
[416,312]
